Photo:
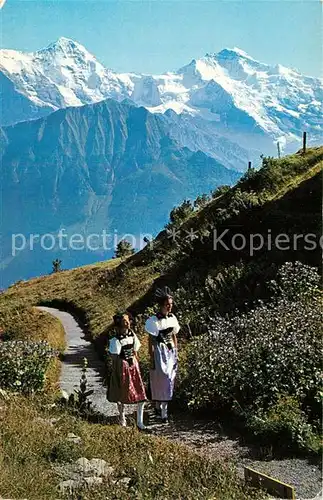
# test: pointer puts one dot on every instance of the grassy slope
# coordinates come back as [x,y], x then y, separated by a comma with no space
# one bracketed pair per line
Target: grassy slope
[96,291]
[25,322]
[30,446]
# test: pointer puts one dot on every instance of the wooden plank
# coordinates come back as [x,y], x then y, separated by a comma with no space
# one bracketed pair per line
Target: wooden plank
[269,484]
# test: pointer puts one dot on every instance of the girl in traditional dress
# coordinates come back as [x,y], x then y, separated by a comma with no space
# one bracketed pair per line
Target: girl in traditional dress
[126,385]
[163,328]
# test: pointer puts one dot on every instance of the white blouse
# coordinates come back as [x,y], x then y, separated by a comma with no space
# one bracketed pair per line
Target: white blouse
[153,324]
[115,344]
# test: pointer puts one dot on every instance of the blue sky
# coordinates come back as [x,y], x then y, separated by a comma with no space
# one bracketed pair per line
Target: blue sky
[160,35]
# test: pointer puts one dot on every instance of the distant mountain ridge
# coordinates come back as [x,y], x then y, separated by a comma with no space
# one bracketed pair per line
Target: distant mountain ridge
[228,94]
[85,148]
[107,166]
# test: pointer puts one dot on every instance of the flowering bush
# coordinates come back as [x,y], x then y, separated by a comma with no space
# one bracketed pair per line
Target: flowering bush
[23,364]
[295,279]
[262,363]
[248,361]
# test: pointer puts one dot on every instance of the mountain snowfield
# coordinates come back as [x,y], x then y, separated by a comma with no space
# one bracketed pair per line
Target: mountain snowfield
[228,105]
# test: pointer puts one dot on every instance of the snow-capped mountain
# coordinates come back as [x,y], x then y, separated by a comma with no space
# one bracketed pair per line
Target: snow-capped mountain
[61,75]
[88,155]
[225,95]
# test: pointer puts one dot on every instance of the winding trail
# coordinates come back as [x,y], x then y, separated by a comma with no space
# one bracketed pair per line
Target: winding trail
[206,437]
[78,348]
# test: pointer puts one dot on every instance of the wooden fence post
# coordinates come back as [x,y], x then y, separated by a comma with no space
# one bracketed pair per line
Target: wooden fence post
[304,143]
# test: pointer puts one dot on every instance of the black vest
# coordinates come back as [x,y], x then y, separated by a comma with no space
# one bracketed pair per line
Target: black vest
[166,337]
[127,347]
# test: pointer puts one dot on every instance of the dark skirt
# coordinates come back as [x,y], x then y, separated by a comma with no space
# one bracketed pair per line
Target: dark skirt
[126,385]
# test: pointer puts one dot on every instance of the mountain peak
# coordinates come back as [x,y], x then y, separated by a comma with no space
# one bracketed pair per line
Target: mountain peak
[64,44]
[234,53]
[63,40]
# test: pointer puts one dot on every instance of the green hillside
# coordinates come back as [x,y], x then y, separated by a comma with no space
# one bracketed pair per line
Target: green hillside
[251,321]
[288,202]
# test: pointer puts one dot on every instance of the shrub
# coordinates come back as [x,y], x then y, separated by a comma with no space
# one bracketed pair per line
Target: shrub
[284,424]
[242,200]
[63,451]
[219,191]
[238,286]
[124,249]
[23,365]
[267,178]
[201,201]
[246,362]
[79,400]
[190,302]
[56,265]
[179,214]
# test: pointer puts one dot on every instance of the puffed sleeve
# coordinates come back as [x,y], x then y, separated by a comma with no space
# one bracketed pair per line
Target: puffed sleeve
[151,326]
[176,327]
[136,343]
[114,346]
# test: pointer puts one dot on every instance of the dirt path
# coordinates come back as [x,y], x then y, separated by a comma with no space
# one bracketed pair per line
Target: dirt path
[78,348]
[209,439]
[204,436]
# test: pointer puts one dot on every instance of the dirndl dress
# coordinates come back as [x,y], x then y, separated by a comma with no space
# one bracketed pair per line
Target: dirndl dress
[125,385]
[162,376]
